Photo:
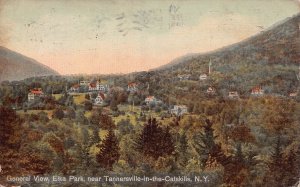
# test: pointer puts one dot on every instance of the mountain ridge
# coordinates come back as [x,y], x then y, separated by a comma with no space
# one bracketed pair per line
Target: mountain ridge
[293,20]
[16,66]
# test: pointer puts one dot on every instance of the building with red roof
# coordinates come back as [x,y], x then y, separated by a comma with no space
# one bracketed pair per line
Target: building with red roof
[35,93]
[99,99]
[132,87]
[257,91]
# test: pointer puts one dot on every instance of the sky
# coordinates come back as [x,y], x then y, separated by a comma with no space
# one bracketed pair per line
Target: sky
[122,36]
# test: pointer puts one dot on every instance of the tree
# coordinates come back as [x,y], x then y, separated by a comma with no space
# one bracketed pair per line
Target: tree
[58,113]
[124,127]
[34,164]
[106,122]
[155,141]
[292,166]
[43,117]
[10,139]
[80,117]
[102,120]
[205,145]
[114,104]
[241,134]
[87,96]
[279,115]
[276,168]
[71,113]
[181,149]
[9,124]
[109,151]
[88,105]
[122,97]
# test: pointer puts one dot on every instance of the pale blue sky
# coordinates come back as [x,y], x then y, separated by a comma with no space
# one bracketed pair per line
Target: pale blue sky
[76,36]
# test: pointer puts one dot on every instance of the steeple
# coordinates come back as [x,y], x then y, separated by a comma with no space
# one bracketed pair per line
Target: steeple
[298,76]
[209,67]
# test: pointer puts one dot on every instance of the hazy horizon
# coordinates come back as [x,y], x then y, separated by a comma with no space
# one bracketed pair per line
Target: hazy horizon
[106,37]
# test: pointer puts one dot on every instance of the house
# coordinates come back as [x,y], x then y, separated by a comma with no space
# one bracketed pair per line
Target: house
[185,88]
[132,87]
[101,87]
[230,125]
[84,83]
[35,93]
[99,99]
[92,87]
[184,77]
[179,110]
[293,94]
[203,77]
[152,99]
[257,91]
[210,90]
[233,95]
[75,88]
[96,86]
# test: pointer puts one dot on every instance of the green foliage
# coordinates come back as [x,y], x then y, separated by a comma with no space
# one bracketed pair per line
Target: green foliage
[87,96]
[182,147]
[101,120]
[109,151]
[125,127]
[155,141]
[58,113]
[238,142]
[88,105]
[205,144]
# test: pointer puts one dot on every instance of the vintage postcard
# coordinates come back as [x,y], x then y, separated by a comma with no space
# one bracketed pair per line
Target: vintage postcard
[123,93]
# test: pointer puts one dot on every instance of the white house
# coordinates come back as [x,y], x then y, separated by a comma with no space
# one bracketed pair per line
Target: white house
[179,110]
[102,87]
[233,95]
[35,93]
[203,77]
[152,99]
[84,83]
[75,88]
[230,125]
[99,99]
[293,94]
[184,77]
[211,90]
[132,87]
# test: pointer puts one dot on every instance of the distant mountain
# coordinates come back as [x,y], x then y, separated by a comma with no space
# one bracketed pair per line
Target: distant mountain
[14,66]
[277,44]
[269,59]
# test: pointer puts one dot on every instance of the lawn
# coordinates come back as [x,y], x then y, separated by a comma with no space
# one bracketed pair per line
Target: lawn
[79,99]
[132,117]
[57,96]
[88,114]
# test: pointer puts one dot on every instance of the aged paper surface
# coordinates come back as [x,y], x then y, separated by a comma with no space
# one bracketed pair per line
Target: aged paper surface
[149,93]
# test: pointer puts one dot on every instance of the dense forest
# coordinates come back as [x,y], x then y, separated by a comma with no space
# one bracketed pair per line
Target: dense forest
[251,141]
